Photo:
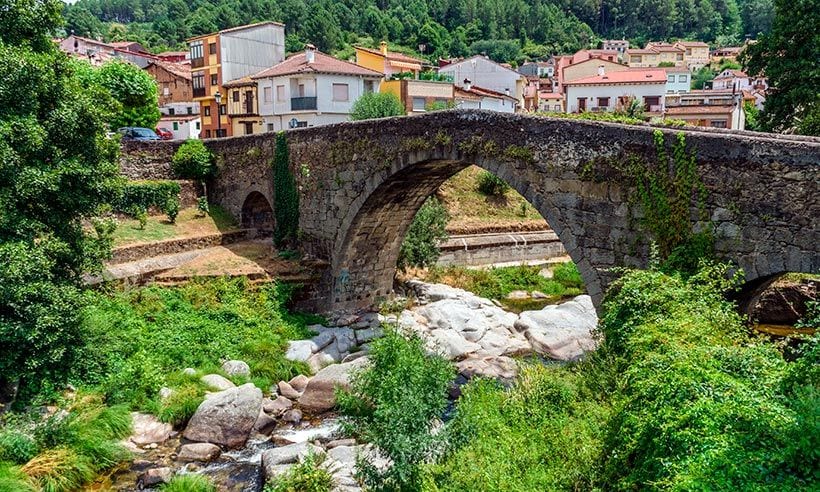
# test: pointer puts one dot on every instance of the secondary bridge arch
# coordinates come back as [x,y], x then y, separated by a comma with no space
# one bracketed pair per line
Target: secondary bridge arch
[361,182]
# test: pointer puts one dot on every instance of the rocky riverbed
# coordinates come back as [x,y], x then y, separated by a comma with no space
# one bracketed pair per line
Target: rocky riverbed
[241,437]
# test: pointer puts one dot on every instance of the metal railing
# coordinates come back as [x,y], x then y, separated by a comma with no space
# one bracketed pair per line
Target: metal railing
[302,103]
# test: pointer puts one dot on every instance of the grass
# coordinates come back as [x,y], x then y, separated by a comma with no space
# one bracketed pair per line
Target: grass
[497,283]
[678,397]
[473,211]
[188,483]
[140,340]
[306,476]
[190,222]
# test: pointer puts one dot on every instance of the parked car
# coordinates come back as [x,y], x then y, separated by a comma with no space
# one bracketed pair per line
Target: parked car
[164,133]
[137,133]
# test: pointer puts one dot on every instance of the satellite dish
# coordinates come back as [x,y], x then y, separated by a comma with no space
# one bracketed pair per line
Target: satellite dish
[293,122]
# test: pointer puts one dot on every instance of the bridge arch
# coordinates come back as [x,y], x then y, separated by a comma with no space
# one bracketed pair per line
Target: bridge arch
[257,212]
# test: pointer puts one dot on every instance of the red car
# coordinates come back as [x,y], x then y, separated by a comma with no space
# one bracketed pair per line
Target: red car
[164,133]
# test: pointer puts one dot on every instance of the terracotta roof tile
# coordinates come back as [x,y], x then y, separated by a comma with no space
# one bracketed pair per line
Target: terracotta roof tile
[179,69]
[392,55]
[638,76]
[322,63]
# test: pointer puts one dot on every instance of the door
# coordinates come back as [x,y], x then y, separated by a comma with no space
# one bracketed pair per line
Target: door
[249,108]
[582,104]
[248,128]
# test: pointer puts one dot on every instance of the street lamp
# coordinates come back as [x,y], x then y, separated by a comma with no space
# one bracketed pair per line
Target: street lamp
[218,99]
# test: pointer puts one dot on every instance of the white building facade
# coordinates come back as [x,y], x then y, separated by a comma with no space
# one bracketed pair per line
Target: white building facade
[311,89]
[181,126]
[607,92]
[488,74]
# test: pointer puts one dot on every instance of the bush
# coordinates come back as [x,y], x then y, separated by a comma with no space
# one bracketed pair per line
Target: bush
[305,476]
[420,245]
[376,105]
[394,404]
[188,483]
[139,196]
[491,185]
[178,408]
[16,446]
[202,206]
[567,274]
[193,160]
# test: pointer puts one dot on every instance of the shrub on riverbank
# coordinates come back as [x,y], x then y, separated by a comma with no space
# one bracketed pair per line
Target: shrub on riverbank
[678,397]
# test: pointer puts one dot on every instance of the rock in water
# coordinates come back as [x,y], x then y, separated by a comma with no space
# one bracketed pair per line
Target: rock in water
[227,417]
[319,395]
[198,451]
[147,429]
[563,331]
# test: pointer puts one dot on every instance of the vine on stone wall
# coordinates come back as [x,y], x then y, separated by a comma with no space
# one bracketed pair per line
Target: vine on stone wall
[286,195]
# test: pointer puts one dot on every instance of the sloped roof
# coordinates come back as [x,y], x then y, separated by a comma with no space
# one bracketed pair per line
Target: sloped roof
[238,28]
[392,55]
[179,69]
[239,82]
[639,76]
[732,74]
[693,44]
[482,92]
[322,63]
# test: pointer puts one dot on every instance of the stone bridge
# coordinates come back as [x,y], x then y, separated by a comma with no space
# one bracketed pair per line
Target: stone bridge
[362,183]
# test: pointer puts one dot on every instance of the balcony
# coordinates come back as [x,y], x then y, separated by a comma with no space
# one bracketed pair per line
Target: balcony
[302,103]
[199,92]
[197,62]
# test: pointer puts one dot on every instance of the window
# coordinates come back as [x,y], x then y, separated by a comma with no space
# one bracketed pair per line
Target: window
[301,90]
[718,123]
[198,83]
[267,94]
[651,101]
[679,56]
[212,48]
[341,92]
[197,125]
[196,50]
[248,128]
[190,110]
[670,79]
[270,125]
[207,133]
[221,109]
[418,104]
[214,79]
[176,126]
[368,86]
[171,111]
[603,102]
[166,90]
[235,96]
[634,59]
[683,78]
[207,110]
[280,93]
[557,107]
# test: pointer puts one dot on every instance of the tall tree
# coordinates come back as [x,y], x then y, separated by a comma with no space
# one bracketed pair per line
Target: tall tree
[789,56]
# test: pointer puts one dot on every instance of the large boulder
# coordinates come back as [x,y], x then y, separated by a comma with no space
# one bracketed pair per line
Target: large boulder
[236,368]
[319,395]
[300,350]
[148,430]
[217,382]
[227,417]
[563,331]
[198,451]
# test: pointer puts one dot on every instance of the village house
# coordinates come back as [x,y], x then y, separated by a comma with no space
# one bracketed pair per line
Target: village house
[469,96]
[618,45]
[738,80]
[419,96]
[173,81]
[97,52]
[695,54]
[550,102]
[243,106]
[228,55]
[678,79]
[587,68]
[712,108]
[483,72]
[538,69]
[730,53]
[388,63]
[310,89]
[607,91]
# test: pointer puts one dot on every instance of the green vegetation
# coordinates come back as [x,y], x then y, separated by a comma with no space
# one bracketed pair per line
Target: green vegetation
[496,283]
[57,173]
[285,195]
[64,451]
[376,105]
[420,245]
[394,404]
[138,341]
[507,31]
[138,197]
[306,476]
[188,483]
[678,397]
[190,222]
[788,56]
[491,185]
[193,160]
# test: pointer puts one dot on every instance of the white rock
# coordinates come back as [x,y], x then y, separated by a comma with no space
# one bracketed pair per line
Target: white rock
[198,451]
[147,429]
[562,332]
[236,368]
[285,455]
[319,361]
[300,350]
[217,382]
[323,339]
[450,344]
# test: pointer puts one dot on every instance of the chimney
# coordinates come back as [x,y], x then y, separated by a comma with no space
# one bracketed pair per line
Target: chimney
[601,70]
[383,46]
[310,53]
[468,84]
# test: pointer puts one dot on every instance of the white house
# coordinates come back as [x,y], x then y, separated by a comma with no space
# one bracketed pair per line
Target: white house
[473,97]
[488,74]
[739,81]
[182,126]
[311,89]
[608,91]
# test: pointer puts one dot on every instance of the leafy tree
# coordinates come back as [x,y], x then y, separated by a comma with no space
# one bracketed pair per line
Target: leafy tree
[56,171]
[376,105]
[193,160]
[420,245]
[134,89]
[701,77]
[500,50]
[788,56]
[285,195]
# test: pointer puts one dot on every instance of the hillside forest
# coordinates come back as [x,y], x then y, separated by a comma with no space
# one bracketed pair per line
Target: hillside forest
[506,30]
